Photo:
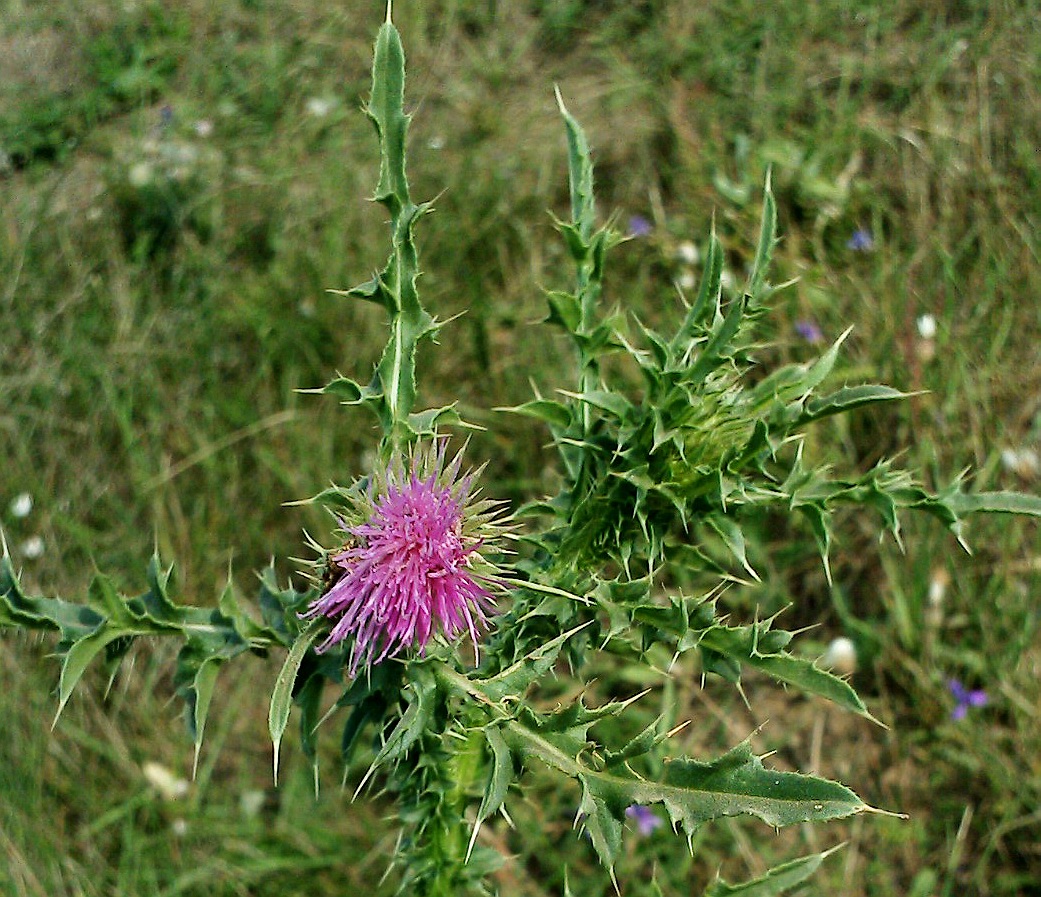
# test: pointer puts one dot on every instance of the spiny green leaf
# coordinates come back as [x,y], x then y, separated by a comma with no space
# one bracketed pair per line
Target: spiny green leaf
[281,608]
[74,621]
[421,694]
[371,291]
[848,398]
[659,348]
[231,609]
[349,391]
[718,345]
[103,597]
[567,729]
[500,776]
[964,504]
[820,369]
[564,311]
[386,108]
[553,413]
[739,644]
[158,606]
[425,423]
[580,170]
[652,736]
[764,249]
[820,523]
[692,792]
[578,245]
[371,696]
[730,532]
[78,657]
[203,683]
[282,694]
[705,304]
[737,783]
[612,402]
[775,882]
[515,679]
[308,698]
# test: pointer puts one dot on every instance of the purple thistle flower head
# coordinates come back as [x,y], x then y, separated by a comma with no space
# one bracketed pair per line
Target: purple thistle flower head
[965,698]
[411,565]
[646,820]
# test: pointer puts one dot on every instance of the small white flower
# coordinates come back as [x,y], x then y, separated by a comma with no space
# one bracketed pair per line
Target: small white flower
[32,548]
[726,278]
[687,253]
[841,656]
[320,107]
[251,803]
[1022,462]
[687,280]
[437,142]
[938,583]
[204,127]
[179,827]
[22,505]
[140,174]
[927,327]
[183,155]
[1029,464]
[934,611]
[169,786]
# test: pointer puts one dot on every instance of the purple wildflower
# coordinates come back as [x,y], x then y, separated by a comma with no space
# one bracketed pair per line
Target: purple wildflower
[964,698]
[411,565]
[646,820]
[639,226]
[861,241]
[809,331]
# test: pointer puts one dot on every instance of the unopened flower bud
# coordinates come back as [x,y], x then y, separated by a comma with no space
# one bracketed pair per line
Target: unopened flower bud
[841,656]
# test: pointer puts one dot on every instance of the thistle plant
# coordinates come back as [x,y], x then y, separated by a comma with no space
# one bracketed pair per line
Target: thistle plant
[436,639]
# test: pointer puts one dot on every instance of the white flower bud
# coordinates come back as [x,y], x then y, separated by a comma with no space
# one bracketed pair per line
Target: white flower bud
[32,548]
[841,656]
[169,786]
[687,253]
[927,327]
[140,174]
[22,505]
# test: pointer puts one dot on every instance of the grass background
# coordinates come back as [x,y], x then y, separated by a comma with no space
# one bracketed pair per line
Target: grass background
[181,183]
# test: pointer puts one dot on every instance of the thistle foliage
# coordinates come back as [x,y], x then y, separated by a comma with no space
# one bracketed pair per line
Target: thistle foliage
[659,485]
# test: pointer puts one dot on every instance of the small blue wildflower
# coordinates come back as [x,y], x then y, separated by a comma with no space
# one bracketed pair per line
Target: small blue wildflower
[964,698]
[639,226]
[646,821]
[861,241]
[809,331]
